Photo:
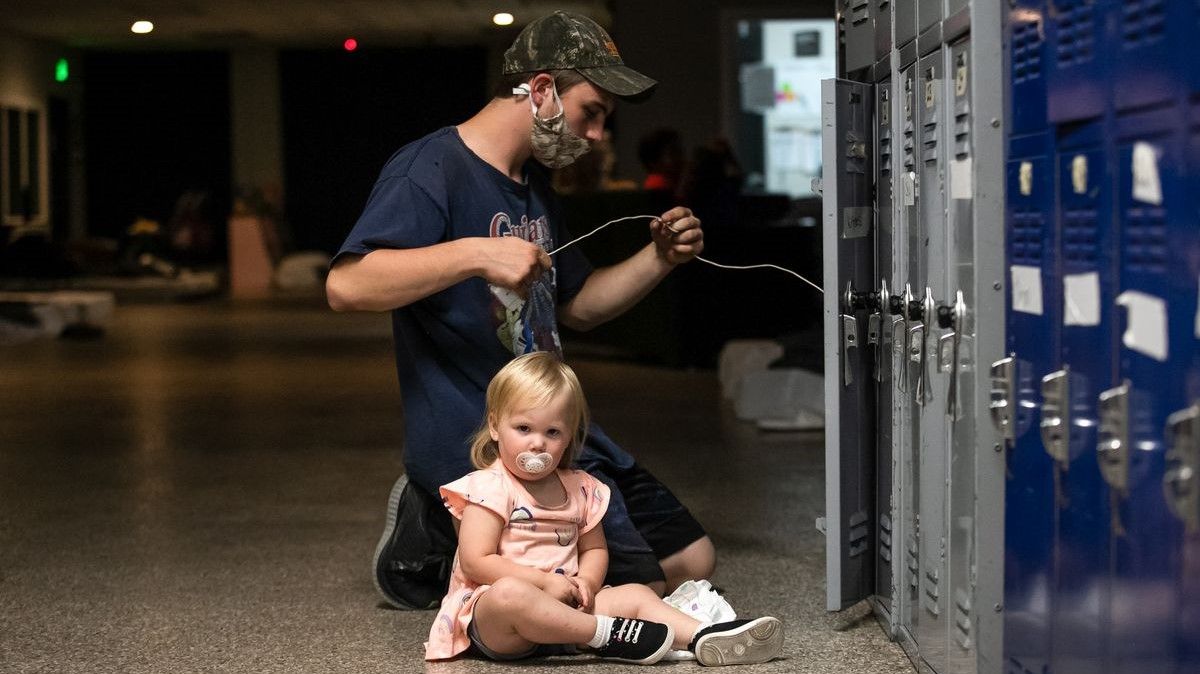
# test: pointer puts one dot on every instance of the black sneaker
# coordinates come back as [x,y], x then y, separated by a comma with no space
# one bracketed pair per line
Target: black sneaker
[739,642]
[638,641]
[414,556]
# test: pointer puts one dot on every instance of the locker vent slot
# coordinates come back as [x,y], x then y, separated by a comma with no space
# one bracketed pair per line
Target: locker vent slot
[1146,240]
[932,592]
[860,11]
[1028,237]
[1143,22]
[885,538]
[914,572]
[1076,32]
[1026,51]
[1081,235]
[858,533]
[962,618]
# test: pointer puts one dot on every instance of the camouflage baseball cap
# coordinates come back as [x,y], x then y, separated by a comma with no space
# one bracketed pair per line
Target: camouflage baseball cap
[566,41]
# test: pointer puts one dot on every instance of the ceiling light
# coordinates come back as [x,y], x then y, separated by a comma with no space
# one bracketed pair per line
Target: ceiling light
[142,27]
[503,19]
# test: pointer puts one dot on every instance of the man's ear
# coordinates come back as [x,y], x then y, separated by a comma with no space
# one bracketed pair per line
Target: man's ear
[540,87]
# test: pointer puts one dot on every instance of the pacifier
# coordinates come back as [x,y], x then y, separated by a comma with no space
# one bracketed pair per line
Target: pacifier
[534,463]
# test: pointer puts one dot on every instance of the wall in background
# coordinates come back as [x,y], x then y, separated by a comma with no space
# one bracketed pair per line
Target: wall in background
[683,44]
[345,113]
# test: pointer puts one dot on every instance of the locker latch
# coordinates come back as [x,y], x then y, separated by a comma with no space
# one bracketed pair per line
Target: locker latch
[1056,416]
[852,303]
[1001,405]
[849,341]
[928,316]
[898,307]
[1112,448]
[875,333]
[1183,463]
[953,318]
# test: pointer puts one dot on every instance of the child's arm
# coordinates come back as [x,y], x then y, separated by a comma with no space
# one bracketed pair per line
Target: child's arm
[479,558]
[593,565]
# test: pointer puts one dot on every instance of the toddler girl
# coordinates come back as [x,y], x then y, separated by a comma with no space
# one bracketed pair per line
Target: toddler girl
[528,574]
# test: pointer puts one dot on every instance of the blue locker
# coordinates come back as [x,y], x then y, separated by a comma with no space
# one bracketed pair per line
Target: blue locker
[1027,62]
[1154,52]
[1085,219]
[1154,354]
[1189,245]
[1077,84]
[1031,335]
[1191,50]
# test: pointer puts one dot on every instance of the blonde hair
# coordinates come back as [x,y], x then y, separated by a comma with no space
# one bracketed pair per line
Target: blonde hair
[532,379]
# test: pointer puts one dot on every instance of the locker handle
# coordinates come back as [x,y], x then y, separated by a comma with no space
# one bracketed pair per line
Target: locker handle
[928,311]
[1002,394]
[1183,463]
[958,318]
[1056,415]
[849,341]
[899,351]
[1112,447]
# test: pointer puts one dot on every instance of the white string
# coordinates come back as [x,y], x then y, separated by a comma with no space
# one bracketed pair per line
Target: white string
[571,243]
[715,264]
[762,266]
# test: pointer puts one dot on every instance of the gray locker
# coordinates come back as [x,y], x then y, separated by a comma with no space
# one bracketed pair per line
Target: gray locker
[932,306]
[909,278]
[905,20]
[880,336]
[848,214]
[931,387]
[859,41]
[954,356]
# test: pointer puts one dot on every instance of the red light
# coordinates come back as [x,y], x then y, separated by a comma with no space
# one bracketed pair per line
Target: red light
[350,44]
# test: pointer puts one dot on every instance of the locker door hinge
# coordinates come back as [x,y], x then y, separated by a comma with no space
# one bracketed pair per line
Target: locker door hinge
[1183,462]
[1056,416]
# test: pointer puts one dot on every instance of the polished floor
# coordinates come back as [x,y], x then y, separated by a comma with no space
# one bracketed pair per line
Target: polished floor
[200,490]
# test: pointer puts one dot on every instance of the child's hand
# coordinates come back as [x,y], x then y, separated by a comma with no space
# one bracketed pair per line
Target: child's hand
[584,594]
[561,588]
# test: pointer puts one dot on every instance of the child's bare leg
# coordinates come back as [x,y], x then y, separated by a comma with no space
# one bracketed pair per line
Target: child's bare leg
[514,615]
[639,601]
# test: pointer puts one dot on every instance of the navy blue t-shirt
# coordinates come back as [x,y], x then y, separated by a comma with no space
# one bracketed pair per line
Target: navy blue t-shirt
[450,344]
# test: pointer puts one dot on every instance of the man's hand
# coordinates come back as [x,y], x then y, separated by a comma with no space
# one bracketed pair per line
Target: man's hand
[677,235]
[513,263]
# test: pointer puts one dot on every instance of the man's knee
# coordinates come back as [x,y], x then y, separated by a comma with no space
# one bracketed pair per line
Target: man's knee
[695,562]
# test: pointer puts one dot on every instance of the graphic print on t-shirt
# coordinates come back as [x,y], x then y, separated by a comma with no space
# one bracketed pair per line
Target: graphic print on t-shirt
[524,326]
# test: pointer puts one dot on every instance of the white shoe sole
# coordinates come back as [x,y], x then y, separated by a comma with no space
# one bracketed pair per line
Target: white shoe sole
[757,641]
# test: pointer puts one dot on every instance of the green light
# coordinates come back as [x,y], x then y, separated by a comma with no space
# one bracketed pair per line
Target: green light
[61,71]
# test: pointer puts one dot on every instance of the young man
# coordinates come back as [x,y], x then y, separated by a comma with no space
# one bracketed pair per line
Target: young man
[454,241]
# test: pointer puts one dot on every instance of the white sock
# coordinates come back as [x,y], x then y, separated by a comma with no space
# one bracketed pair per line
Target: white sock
[699,628]
[603,628]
